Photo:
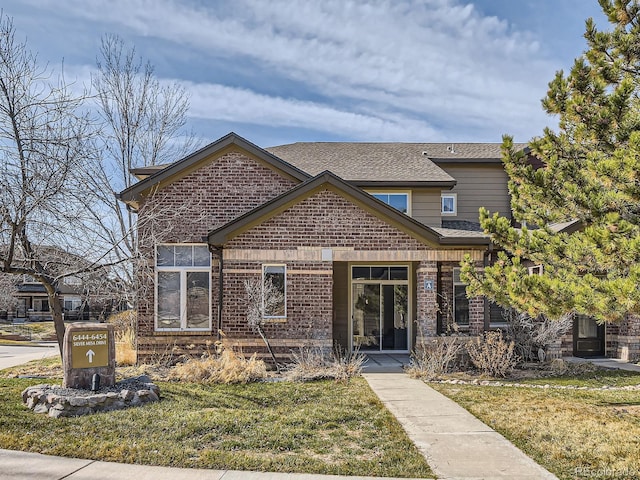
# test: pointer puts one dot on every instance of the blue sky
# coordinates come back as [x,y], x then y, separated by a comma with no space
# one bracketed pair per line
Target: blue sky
[281,71]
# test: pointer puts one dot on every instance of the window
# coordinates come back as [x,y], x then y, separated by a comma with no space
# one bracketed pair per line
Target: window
[274,291]
[40,305]
[460,300]
[448,203]
[183,287]
[72,303]
[73,280]
[536,270]
[399,201]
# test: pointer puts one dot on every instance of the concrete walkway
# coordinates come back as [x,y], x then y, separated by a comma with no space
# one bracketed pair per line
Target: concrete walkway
[23,465]
[14,355]
[612,363]
[455,443]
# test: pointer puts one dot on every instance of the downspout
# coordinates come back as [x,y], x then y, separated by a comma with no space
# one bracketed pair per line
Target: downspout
[439,297]
[486,261]
[219,252]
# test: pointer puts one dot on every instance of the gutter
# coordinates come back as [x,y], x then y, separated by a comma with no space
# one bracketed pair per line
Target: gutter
[219,252]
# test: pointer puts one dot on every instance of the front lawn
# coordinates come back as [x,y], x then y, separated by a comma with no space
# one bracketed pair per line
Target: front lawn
[575,434]
[320,427]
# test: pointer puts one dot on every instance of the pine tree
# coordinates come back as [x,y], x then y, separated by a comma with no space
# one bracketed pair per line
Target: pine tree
[590,176]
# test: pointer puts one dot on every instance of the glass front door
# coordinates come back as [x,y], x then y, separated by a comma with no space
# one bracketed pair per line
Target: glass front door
[380,306]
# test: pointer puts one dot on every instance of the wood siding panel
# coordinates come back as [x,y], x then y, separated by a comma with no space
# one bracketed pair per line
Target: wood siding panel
[425,206]
[479,186]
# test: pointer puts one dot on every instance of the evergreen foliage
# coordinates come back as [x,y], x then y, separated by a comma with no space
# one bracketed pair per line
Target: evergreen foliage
[582,207]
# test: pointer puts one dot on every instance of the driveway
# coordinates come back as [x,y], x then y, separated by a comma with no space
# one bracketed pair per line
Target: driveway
[12,355]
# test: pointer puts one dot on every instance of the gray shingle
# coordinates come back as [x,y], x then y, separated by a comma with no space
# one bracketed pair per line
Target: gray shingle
[399,162]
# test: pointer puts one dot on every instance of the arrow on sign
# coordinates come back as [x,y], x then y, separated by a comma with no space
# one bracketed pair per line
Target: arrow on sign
[90,354]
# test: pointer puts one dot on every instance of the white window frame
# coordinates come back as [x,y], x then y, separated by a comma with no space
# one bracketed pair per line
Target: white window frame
[536,270]
[183,270]
[407,193]
[264,269]
[454,197]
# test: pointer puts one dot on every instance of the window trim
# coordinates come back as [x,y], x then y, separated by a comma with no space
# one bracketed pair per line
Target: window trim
[453,196]
[536,269]
[373,193]
[274,318]
[183,270]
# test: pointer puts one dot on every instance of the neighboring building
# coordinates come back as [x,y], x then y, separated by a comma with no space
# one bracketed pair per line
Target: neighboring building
[362,240]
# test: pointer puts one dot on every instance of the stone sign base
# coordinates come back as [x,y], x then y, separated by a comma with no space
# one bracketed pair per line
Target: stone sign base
[67,402]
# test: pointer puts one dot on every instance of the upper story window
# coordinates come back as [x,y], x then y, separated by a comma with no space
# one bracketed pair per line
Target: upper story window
[399,201]
[72,280]
[183,287]
[448,202]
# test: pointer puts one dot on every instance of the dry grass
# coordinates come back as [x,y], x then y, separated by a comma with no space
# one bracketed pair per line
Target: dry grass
[222,366]
[126,353]
[315,428]
[431,360]
[314,363]
[573,433]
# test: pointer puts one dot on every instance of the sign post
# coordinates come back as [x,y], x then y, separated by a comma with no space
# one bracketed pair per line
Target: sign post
[89,348]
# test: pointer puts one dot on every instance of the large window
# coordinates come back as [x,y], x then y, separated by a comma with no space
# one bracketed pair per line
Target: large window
[399,201]
[274,291]
[460,300]
[183,287]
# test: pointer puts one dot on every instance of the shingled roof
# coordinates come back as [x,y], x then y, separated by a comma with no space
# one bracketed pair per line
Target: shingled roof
[371,163]
[366,164]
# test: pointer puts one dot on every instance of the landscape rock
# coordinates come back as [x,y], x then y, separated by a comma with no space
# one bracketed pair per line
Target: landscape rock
[70,402]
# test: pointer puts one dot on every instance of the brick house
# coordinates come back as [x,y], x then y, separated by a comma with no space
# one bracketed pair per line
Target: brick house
[361,241]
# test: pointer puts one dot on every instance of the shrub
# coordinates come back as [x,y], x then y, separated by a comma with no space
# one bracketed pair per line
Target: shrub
[125,336]
[315,363]
[492,354]
[533,335]
[222,366]
[123,320]
[433,358]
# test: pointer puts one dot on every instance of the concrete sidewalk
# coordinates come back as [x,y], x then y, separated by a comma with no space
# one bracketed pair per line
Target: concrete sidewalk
[23,465]
[455,443]
[14,355]
[612,363]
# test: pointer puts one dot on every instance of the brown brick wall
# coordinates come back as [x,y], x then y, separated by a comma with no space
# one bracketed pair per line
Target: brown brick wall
[309,303]
[326,219]
[184,212]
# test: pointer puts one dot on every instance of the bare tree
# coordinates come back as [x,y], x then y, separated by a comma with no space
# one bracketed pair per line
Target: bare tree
[143,124]
[8,292]
[263,298]
[47,153]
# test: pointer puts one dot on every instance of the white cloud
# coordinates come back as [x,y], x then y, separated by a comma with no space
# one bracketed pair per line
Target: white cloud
[421,62]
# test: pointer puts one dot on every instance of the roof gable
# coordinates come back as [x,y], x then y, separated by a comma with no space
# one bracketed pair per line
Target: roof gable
[410,226]
[154,176]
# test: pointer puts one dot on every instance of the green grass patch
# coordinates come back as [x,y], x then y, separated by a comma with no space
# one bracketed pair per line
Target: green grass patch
[320,427]
[573,433]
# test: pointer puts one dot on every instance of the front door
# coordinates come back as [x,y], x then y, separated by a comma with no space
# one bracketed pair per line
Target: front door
[588,337]
[380,306]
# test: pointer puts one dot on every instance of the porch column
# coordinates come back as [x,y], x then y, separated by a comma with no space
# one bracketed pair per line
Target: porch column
[476,315]
[629,339]
[427,301]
